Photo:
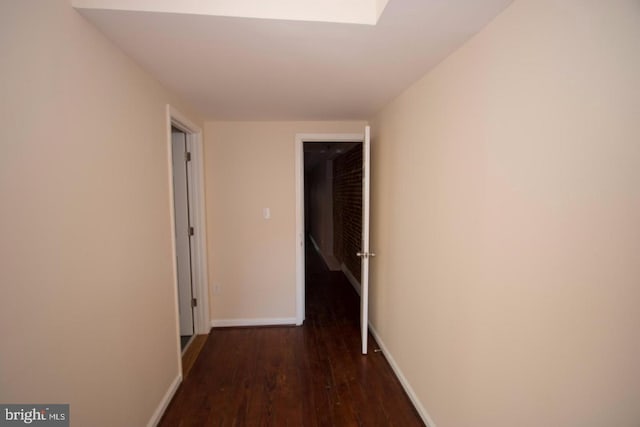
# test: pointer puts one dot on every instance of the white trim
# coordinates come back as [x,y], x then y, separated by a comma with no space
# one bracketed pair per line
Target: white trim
[364,270]
[352,279]
[199,240]
[403,380]
[157,414]
[300,139]
[174,263]
[267,321]
[299,242]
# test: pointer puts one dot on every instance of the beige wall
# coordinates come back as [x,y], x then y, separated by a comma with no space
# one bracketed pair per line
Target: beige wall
[506,206]
[250,166]
[87,296]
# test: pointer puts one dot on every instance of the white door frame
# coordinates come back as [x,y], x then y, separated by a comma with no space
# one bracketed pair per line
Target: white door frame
[201,320]
[301,138]
[365,254]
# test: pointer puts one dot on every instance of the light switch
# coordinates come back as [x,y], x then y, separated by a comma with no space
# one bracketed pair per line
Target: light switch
[266,213]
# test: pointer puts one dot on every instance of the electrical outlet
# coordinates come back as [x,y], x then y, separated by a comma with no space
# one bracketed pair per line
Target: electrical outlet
[216,288]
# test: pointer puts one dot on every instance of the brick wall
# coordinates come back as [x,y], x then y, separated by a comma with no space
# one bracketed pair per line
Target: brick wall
[347,208]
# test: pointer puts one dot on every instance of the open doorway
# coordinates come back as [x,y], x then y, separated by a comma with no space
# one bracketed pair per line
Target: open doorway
[186,166]
[337,240]
[333,204]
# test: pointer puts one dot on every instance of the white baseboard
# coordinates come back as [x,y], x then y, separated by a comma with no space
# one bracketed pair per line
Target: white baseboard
[268,321]
[396,369]
[352,279]
[157,415]
[405,384]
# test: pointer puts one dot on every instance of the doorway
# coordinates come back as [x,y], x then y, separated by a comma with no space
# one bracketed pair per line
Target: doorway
[333,204]
[186,175]
[332,193]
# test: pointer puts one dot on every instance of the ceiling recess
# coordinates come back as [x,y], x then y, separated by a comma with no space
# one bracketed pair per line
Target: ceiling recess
[366,12]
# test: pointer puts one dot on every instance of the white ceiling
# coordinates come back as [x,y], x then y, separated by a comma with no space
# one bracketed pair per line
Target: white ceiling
[344,11]
[232,68]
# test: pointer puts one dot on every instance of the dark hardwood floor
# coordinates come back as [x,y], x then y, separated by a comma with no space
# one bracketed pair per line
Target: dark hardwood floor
[312,375]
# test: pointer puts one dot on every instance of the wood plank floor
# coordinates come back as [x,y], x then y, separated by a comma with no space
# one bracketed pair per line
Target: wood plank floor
[190,356]
[312,375]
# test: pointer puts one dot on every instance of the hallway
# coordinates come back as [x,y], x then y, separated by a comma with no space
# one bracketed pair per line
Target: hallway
[312,375]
